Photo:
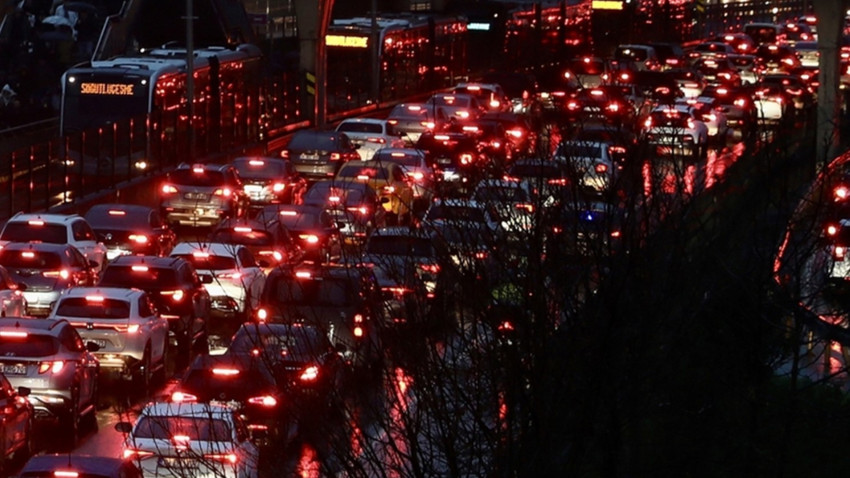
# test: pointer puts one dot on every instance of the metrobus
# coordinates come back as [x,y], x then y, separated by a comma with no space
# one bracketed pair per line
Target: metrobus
[416,53]
[140,102]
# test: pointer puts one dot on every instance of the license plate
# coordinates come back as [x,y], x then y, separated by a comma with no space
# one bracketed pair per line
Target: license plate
[101,343]
[253,188]
[18,369]
[177,463]
[311,157]
[195,196]
[444,160]
[229,403]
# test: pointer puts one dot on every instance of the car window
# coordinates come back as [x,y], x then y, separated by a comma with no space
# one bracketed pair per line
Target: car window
[260,169]
[106,308]
[23,344]
[246,258]
[257,237]
[20,231]
[360,127]
[30,259]
[195,428]
[82,231]
[372,172]
[400,246]
[146,307]
[325,292]
[189,177]
[141,276]
[209,261]
[313,141]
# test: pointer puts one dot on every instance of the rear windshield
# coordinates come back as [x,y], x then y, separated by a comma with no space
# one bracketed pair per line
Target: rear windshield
[634,54]
[143,277]
[13,259]
[297,344]
[188,177]
[85,308]
[580,151]
[400,246]
[253,238]
[357,127]
[202,428]
[500,194]
[370,172]
[29,345]
[259,169]
[317,292]
[592,67]
[313,141]
[209,261]
[456,213]
[25,232]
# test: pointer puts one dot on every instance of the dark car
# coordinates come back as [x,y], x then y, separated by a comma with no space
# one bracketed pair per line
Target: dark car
[519,129]
[200,195]
[44,270]
[341,300]
[603,104]
[73,465]
[244,382]
[270,180]
[301,357]
[17,435]
[410,120]
[354,205]
[131,229]
[315,230]
[318,154]
[175,288]
[266,237]
[457,160]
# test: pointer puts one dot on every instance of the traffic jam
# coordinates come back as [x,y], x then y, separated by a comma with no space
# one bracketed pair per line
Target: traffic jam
[289,314]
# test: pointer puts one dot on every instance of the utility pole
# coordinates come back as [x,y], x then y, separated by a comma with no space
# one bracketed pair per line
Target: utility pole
[375,41]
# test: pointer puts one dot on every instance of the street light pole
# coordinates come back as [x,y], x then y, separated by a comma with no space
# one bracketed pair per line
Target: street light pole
[375,86]
[190,77]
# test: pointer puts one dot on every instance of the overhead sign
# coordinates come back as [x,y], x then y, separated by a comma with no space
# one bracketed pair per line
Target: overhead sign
[606,5]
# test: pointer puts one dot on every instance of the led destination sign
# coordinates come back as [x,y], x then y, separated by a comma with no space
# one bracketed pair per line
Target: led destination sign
[112,89]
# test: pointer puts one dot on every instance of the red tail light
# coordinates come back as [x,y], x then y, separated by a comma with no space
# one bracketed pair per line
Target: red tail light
[601,168]
[226,192]
[223,457]
[841,193]
[432,268]
[183,397]
[168,189]
[176,295]
[278,187]
[309,374]
[839,252]
[335,157]
[466,158]
[53,367]
[264,400]
[132,452]
[284,154]
[62,274]
[831,230]
[139,238]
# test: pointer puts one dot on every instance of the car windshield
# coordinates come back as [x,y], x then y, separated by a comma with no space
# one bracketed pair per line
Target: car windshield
[15,343]
[587,67]
[417,113]
[211,262]
[295,343]
[259,169]
[335,292]
[25,232]
[192,177]
[406,160]
[400,246]
[140,276]
[224,381]
[202,428]
[86,307]
[371,172]
[29,259]
[313,141]
[248,237]
[118,219]
[579,150]
[299,220]
[535,171]
[360,127]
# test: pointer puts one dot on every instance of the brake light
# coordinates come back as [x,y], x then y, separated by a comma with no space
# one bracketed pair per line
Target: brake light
[225,457]
[65,474]
[116,212]
[53,367]
[168,189]
[278,187]
[841,193]
[601,168]
[465,158]
[463,114]
[94,298]
[139,238]
[132,452]
[429,124]
[309,238]
[226,192]
[838,252]
[183,397]
[392,121]
[525,207]
[310,374]
[133,328]
[262,315]
[480,255]
[225,372]
[13,334]
[831,230]
[284,154]
[176,295]
[416,176]
[389,189]
[377,140]
[229,275]
[62,274]
[265,400]
[432,268]
[515,133]
[335,157]
[139,268]
[648,123]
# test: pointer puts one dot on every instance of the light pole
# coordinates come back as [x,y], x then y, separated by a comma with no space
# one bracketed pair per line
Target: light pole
[190,77]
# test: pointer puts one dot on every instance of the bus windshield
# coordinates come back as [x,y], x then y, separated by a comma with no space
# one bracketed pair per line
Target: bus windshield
[93,100]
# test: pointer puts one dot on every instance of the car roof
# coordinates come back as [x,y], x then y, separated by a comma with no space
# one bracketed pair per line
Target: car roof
[125,293]
[32,324]
[81,463]
[46,217]
[152,261]
[38,246]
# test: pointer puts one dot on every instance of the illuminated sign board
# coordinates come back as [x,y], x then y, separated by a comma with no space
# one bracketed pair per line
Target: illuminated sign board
[109,89]
[478,26]
[347,41]
[606,5]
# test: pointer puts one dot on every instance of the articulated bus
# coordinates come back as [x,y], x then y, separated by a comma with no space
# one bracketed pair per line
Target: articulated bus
[140,102]
[416,53]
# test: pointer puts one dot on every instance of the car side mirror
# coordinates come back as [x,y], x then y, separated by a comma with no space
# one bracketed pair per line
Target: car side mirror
[206,279]
[264,263]
[124,427]
[92,346]
[94,264]
[24,391]
[385,200]
[21,286]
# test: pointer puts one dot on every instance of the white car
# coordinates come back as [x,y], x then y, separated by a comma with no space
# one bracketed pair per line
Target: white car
[591,163]
[190,439]
[234,278]
[415,164]
[131,335]
[675,128]
[711,114]
[370,135]
[456,106]
[57,229]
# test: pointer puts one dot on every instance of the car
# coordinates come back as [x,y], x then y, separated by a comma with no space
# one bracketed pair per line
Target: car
[622,141]
[750,67]
[170,438]
[269,180]
[389,180]
[457,160]
[370,135]
[591,229]
[458,106]
[51,228]
[410,120]
[229,272]
[736,103]
[549,180]
[771,103]
[317,153]
[670,54]
[672,128]
[591,164]
[807,52]
[777,58]
[314,227]
[74,465]
[709,50]
[490,95]
[354,206]
[520,87]
[177,291]
[642,57]
[742,43]
[604,104]
[719,70]
[511,202]
[691,82]
[400,248]
[200,195]
[18,433]
[419,173]
[520,131]
[797,91]
[51,359]
[341,300]
[131,335]
[267,238]
[244,382]
[590,71]
[12,300]
[43,270]
[763,33]
[131,229]
[305,364]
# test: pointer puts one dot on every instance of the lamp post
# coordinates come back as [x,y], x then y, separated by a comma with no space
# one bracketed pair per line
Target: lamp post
[190,78]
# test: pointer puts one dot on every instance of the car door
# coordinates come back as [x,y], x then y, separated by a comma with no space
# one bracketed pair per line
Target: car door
[88,364]
[255,277]
[16,413]
[155,326]
[85,239]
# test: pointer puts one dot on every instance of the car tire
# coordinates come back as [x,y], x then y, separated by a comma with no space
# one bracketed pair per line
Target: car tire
[143,377]
[70,420]
[28,448]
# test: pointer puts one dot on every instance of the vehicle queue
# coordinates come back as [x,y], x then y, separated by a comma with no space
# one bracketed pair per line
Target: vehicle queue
[288,281]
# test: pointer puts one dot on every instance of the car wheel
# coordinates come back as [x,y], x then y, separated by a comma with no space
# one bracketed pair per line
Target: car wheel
[70,421]
[28,448]
[144,373]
